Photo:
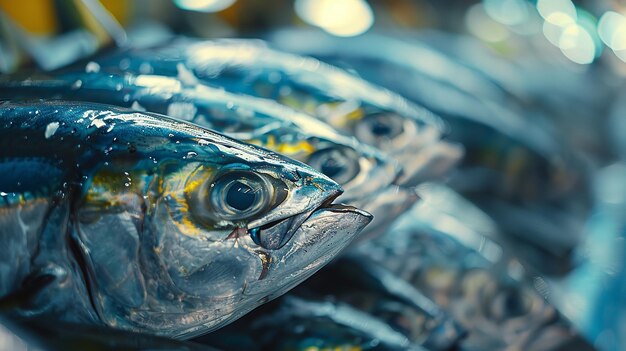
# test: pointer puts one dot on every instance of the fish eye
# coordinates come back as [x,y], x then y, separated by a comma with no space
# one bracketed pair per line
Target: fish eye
[340,164]
[376,128]
[239,194]
[508,303]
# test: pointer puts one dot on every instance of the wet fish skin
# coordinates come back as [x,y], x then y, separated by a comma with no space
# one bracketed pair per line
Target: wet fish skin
[87,186]
[515,167]
[52,335]
[367,176]
[444,252]
[378,117]
[294,323]
[349,304]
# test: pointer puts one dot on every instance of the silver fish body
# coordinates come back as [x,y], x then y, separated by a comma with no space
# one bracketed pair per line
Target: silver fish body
[53,335]
[368,177]
[444,252]
[516,166]
[299,324]
[141,222]
[375,116]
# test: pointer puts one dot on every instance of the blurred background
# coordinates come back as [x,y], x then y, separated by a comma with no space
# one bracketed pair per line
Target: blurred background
[565,58]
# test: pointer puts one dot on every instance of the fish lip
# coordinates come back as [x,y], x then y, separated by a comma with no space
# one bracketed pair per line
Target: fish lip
[342,208]
[325,233]
[340,212]
[327,197]
[294,222]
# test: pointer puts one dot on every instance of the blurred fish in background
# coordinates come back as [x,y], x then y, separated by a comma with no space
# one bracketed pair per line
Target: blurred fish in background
[509,146]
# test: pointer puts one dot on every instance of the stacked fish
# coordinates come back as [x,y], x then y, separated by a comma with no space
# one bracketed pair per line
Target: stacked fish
[169,191]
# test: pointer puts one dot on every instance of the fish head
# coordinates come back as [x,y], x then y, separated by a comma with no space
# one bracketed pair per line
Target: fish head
[203,229]
[368,176]
[417,146]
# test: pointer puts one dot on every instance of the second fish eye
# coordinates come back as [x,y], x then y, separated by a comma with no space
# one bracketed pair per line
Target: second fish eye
[340,164]
[377,127]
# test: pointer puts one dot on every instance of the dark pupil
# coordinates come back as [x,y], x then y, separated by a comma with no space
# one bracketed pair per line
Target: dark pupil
[380,128]
[514,304]
[240,196]
[331,167]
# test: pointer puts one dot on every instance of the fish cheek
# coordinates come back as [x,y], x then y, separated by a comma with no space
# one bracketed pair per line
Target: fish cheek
[200,266]
[111,248]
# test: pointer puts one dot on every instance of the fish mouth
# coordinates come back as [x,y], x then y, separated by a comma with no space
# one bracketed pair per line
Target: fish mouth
[319,239]
[274,235]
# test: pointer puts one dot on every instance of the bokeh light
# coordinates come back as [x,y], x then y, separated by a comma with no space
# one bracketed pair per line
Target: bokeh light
[612,30]
[555,24]
[343,18]
[547,8]
[509,12]
[204,5]
[480,24]
[577,45]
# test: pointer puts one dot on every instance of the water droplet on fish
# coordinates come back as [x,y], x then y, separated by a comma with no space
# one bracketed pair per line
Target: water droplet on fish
[77,84]
[126,97]
[118,87]
[97,123]
[170,135]
[51,128]
[92,67]
[192,154]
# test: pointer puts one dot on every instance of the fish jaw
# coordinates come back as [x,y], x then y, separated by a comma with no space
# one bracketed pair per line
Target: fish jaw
[315,243]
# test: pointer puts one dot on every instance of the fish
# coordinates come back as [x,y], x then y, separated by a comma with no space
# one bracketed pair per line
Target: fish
[378,117]
[297,324]
[516,167]
[53,335]
[367,175]
[141,222]
[445,253]
[348,304]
